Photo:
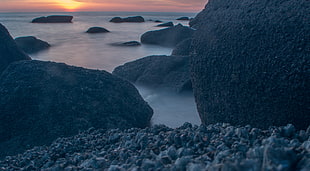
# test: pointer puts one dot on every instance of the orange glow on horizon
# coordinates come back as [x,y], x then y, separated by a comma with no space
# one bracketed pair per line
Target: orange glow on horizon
[69,5]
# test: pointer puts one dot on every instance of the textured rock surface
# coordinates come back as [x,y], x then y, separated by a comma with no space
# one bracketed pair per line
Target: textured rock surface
[31,44]
[192,148]
[9,52]
[252,62]
[169,72]
[54,19]
[168,24]
[183,48]
[134,19]
[97,30]
[41,101]
[167,37]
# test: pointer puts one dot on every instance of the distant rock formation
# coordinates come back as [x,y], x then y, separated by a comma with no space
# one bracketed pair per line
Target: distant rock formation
[183,48]
[134,19]
[130,43]
[54,19]
[168,24]
[41,101]
[183,18]
[167,37]
[31,44]
[97,30]
[9,51]
[250,62]
[166,72]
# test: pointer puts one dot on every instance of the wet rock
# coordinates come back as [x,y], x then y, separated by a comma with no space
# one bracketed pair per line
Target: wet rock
[128,44]
[183,18]
[168,24]
[134,19]
[167,37]
[31,44]
[9,51]
[183,48]
[97,30]
[54,19]
[168,72]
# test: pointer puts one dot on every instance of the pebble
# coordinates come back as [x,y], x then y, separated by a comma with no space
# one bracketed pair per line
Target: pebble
[190,147]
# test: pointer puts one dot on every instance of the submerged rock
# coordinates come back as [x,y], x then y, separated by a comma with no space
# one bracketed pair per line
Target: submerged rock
[168,24]
[41,101]
[183,18]
[250,62]
[31,44]
[54,19]
[167,72]
[134,19]
[9,51]
[130,43]
[97,30]
[167,37]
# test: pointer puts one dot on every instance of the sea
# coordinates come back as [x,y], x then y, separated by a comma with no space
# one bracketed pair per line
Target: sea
[71,45]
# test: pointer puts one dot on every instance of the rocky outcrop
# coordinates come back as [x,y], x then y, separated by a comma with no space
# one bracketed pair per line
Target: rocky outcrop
[130,43]
[53,19]
[251,62]
[168,24]
[183,48]
[31,44]
[167,72]
[97,30]
[41,101]
[9,51]
[183,18]
[167,37]
[134,19]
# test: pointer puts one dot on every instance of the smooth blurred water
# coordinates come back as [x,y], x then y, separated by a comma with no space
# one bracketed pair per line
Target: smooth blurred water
[71,45]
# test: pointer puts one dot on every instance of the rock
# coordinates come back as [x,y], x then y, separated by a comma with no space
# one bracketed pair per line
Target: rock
[9,51]
[130,43]
[134,19]
[41,101]
[167,37]
[97,30]
[168,24]
[54,19]
[183,18]
[182,48]
[31,44]
[250,63]
[168,72]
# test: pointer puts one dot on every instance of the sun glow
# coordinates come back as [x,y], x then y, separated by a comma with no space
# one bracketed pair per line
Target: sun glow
[69,4]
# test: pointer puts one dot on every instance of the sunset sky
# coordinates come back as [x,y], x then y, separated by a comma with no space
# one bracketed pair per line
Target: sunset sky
[101,5]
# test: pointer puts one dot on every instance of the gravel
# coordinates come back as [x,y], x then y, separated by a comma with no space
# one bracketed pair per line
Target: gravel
[192,148]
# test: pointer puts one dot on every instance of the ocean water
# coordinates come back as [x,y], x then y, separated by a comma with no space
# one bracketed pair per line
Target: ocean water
[71,45]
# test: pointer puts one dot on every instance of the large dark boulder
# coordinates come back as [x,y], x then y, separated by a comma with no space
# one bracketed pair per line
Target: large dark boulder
[166,72]
[167,37]
[250,62]
[134,19]
[9,51]
[30,44]
[53,19]
[41,101]
[183,48]
[97,30]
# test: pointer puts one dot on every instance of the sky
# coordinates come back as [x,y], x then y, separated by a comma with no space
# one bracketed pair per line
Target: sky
[102,5]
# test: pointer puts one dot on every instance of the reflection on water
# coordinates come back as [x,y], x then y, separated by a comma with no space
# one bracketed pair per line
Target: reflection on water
[171,109]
